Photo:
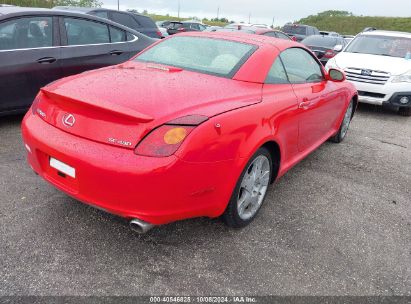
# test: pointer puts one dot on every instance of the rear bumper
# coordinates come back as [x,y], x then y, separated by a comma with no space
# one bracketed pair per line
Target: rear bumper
[156,190]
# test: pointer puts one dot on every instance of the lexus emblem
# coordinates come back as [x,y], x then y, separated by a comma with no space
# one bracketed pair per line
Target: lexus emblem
[366,72]
[68,120]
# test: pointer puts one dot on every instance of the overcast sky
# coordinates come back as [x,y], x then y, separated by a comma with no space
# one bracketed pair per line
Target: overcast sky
[263,11]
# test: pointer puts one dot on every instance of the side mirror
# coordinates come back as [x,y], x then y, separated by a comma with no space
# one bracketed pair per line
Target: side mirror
[336,75]
[338,48]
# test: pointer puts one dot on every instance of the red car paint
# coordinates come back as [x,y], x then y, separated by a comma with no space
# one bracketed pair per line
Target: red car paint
[126,102]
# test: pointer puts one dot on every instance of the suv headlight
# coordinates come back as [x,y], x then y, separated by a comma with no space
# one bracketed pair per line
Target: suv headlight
[406,77]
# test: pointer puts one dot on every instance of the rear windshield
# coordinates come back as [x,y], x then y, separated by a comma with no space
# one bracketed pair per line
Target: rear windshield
[205,55]
[321,41]
[380,45]
[146,21]
[295,29]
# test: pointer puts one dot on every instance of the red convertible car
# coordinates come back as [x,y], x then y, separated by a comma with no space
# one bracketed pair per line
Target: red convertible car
[198,124]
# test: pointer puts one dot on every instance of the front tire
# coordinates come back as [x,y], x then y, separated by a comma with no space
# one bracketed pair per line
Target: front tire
[250,190]
[345,124]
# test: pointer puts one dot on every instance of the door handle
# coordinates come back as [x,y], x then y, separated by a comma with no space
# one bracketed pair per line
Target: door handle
[305,104]
[116,53]
[46,60]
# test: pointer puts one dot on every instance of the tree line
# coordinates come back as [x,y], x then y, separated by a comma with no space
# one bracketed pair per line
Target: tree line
[347,23]
[52,3]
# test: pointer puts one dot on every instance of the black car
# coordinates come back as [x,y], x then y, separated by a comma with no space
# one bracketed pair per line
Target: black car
[300,31]
[325,47]
[138,22]
[38,46]
[185,26]
[163,23]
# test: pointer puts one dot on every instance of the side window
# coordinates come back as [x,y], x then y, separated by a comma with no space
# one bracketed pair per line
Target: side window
[125,19]
[24,33]
[175,26]
[130,37]
[277,74]
[301,67]
[270,34]
[101,14]
[202,27]
[117,35]
[195,26]
[282,36]
[83,32]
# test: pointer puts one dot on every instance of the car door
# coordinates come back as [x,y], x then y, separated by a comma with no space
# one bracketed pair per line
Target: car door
[319,101]
[278,92]
[29,59]
[90,44]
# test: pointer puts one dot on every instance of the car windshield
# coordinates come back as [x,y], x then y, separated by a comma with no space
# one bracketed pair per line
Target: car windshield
[321,41]
[205,55]
[380,45]
[295,29]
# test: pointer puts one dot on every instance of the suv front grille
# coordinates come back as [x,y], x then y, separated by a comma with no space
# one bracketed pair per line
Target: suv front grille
[367,76]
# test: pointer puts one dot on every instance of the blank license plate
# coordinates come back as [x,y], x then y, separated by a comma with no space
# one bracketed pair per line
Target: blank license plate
[62,167]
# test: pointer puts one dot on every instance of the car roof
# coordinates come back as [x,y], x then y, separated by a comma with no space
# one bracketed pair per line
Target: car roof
[259,40]
[9,12]
[387,33]
[191,21]
[325,37]
[297,25]
[86,10]
[5,10]
[260,31]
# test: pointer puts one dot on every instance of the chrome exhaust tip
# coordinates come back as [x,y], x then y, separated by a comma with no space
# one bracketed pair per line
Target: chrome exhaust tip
[140,226]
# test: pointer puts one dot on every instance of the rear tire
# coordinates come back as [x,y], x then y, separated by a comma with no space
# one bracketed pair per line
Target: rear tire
[404,111]
[250,190]
[345,124]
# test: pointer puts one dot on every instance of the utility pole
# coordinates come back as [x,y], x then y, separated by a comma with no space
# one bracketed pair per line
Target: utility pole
[118,5]
[272,24]
[178,13]
[249,18]
[218,13]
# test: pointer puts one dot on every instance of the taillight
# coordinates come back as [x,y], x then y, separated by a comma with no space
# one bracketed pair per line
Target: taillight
[329,54]
[159,34]
[166,139]
[293,38]
[181,29]
[35,103]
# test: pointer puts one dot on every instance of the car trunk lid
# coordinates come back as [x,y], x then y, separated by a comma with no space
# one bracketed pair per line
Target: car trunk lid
[120,105]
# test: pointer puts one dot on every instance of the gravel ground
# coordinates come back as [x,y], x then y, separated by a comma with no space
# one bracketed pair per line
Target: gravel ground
[339,223]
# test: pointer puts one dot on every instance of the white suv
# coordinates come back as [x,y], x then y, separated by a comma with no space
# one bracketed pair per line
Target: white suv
[378,63]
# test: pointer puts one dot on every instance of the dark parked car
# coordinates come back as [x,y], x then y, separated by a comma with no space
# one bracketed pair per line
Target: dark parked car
[327,33]
[256,31]
[138,22]
[300,31]
[325,47]
[185,26]
[163,23]
[38,46]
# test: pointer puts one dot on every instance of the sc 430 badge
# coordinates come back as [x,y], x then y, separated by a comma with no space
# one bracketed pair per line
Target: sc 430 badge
[120,142]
